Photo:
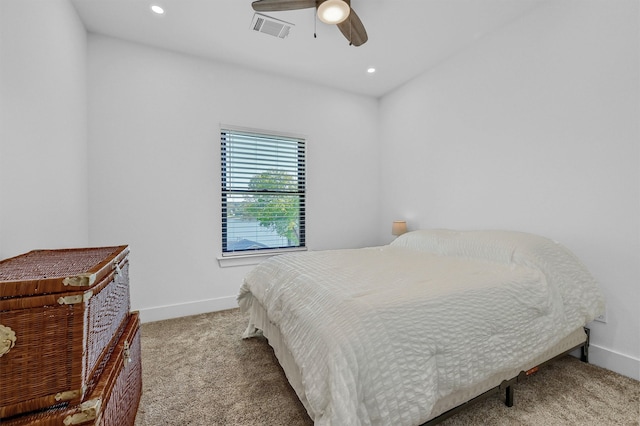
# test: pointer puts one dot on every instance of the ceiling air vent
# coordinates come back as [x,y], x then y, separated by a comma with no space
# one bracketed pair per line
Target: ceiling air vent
[268,25]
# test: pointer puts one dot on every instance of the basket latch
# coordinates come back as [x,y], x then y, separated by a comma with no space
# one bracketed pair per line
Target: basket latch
[75,299]
[126,353]
[7,339]
[67,395]
[88,410]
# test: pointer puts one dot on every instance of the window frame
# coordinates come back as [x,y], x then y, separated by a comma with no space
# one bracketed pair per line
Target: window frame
[301,141]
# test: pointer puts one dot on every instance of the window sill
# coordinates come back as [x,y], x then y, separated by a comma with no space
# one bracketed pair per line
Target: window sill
[251,259]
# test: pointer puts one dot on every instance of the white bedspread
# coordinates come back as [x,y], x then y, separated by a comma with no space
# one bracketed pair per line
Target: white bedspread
[380,334]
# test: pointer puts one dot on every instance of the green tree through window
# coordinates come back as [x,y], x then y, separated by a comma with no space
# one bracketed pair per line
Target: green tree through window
[278,212]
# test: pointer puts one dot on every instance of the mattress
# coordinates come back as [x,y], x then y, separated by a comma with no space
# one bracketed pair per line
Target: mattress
[395,334]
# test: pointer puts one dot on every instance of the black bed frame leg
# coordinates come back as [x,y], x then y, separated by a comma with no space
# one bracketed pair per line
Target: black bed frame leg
[584,350]
[509,396]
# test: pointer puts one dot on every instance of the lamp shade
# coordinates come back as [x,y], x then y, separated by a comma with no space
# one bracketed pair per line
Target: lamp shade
[333,11]
[399,227]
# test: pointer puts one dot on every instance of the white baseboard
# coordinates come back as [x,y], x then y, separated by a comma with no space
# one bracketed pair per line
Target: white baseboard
[159,313]
[614,361]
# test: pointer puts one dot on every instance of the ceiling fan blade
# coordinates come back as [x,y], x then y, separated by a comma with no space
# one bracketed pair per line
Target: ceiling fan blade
[353,29]
[277,5]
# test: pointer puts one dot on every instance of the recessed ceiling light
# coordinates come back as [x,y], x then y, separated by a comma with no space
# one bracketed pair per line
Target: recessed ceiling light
[371,70]
[157,9]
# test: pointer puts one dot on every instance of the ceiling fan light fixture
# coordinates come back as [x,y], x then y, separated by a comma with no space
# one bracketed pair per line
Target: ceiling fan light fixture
[333,11]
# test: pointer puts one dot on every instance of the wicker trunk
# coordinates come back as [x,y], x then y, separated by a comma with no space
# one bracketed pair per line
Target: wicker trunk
[115,396]
[61,312]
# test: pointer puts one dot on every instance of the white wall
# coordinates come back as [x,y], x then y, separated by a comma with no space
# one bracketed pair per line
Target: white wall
[534,128]
[43,127]
[154,147]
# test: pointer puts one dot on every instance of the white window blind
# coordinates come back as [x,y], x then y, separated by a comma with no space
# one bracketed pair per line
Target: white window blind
[263,192]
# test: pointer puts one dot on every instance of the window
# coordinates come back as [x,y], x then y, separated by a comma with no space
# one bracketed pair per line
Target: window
[263,192]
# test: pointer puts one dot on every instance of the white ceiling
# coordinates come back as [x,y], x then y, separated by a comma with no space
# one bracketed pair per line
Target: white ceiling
[406,37]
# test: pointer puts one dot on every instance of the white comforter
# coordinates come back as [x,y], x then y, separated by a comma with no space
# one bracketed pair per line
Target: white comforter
[380,334]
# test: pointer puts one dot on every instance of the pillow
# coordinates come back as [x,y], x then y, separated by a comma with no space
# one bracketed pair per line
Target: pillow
[424,239]
[495,246]
[564,272]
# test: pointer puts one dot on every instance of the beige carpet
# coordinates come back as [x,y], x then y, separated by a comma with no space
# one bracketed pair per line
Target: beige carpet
[198,371]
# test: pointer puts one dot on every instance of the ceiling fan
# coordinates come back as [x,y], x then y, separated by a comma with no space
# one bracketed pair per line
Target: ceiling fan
[338,12]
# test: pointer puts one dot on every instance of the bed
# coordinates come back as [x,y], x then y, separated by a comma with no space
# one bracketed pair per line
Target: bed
[404,333]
